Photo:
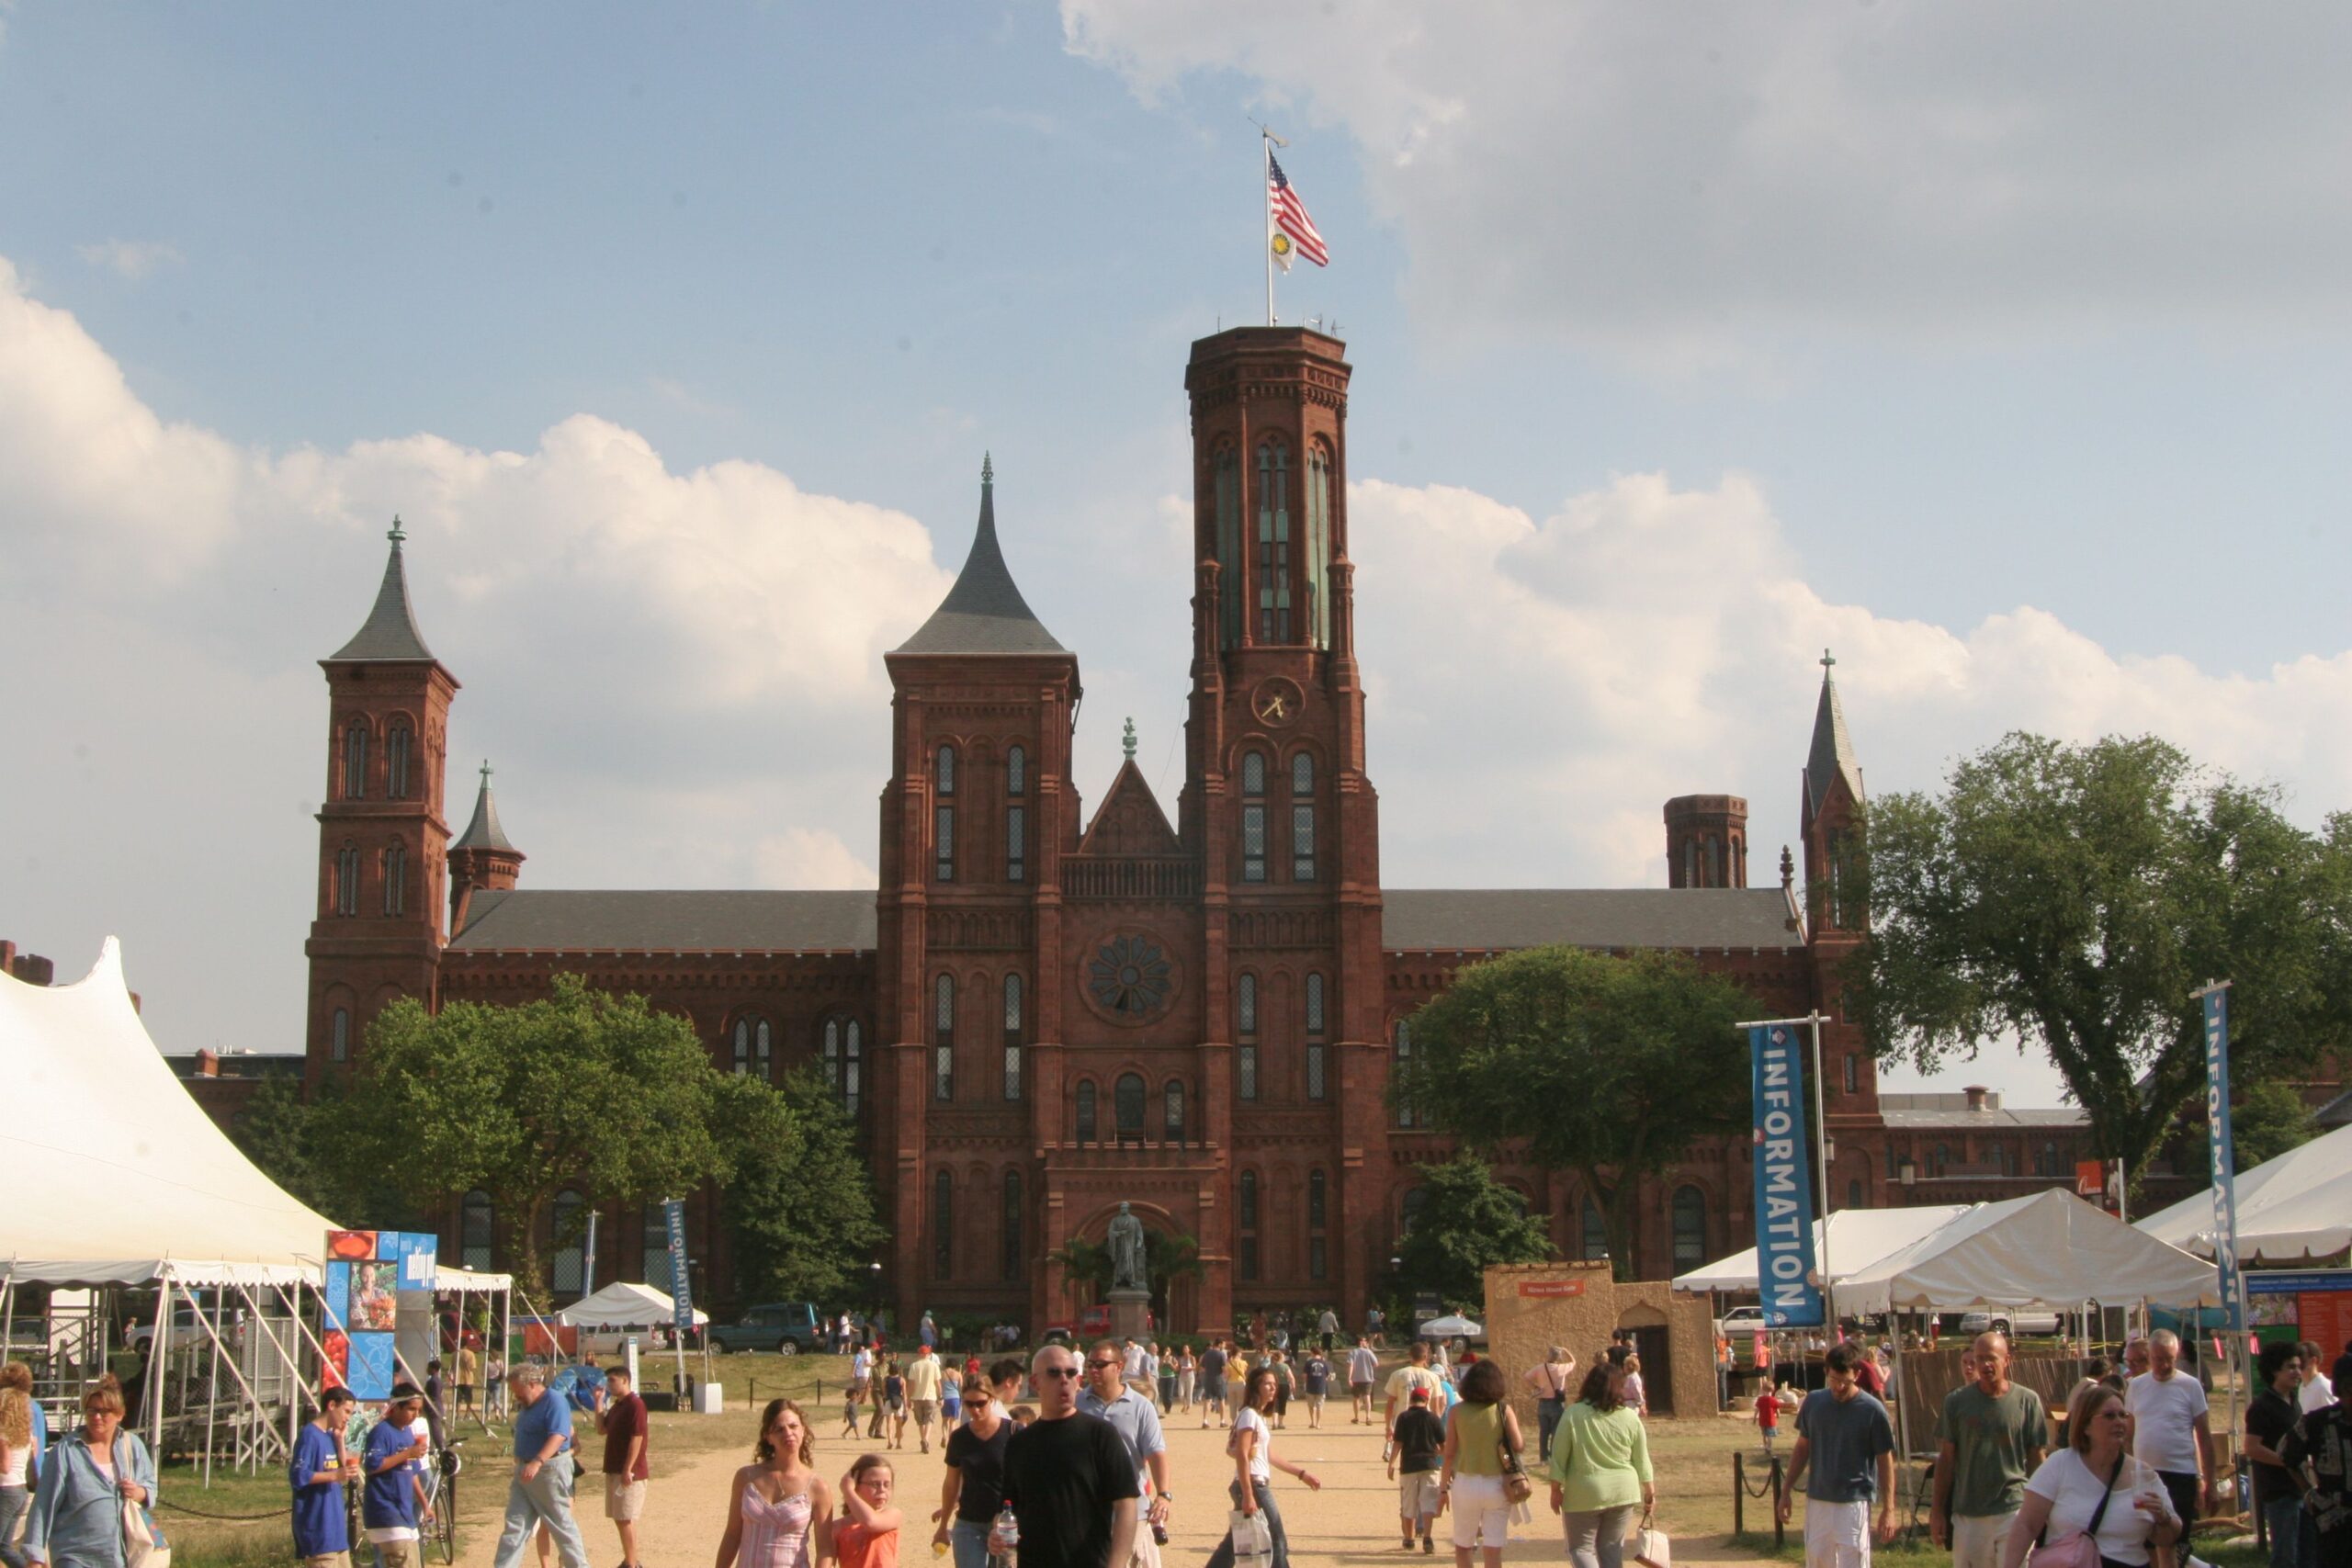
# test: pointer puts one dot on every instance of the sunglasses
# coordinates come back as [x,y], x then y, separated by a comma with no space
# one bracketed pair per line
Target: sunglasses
[1057,1371]
[1098,1366]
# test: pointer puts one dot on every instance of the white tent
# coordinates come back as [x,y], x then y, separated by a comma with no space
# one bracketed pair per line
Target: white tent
[622,1305]
[2050,1250]
[119,1176]
[1858,1238]
[2291,1210]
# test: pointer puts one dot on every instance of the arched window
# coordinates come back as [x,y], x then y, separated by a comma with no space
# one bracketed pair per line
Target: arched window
[1595,1229]
[1401,1063]
[1936,1161]
[477,1230]
[1302,817]
[943,1038]
[396,747]
[1853,1194]
[339,1035]
[944,816]
[568,1234]
[1853,1072]
[1086,1130]
[1409,1212]
[1127,1106]
[1319,1072]
[829,1056]
[1224,485]
[842,1056]
[346,880]
[1253,816]
[1245,1023]
[1318,544]
[1274,542]
[2050,1159]
[1689,1228]
[1012,1263]
[943,1224]
[743,1063]
[653,1248]
[1013,1037]
[354,763]
[1318,1208]
[1172,1110]
[1016,816]
[396,879]
[1247,1205]
[1689,862]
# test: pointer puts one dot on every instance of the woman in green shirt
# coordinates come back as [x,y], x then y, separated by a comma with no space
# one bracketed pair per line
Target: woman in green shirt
[1601,1470]
[1481,1439]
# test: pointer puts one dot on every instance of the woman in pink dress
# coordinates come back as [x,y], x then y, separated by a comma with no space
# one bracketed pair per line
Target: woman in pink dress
[780,1513]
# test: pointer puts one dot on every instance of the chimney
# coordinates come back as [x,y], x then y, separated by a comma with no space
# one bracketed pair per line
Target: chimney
[1979,1097]
[208,1064]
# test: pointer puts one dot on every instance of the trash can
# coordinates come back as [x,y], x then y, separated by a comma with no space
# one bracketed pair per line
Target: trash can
[710,1399]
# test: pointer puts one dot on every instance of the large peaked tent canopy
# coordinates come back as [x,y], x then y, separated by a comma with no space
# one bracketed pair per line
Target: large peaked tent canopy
[119,1176]
[623,1305]
[2291,1210]
[1858,1238]
[2049,1250]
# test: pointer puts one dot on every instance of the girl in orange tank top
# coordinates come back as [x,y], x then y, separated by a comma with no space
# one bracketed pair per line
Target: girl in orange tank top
[867,1534]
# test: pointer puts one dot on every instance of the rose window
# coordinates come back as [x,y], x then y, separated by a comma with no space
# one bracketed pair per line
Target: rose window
[1129,976]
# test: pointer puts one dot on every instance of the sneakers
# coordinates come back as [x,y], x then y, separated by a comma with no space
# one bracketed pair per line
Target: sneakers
[1427,1546]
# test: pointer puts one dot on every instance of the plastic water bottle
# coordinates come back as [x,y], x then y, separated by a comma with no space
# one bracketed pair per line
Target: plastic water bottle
[1004,1536]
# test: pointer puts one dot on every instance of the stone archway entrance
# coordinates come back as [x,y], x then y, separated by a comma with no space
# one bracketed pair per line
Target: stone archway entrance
[1171,1263]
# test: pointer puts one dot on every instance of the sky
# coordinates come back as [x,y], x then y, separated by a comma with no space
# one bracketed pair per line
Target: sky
[2001,350]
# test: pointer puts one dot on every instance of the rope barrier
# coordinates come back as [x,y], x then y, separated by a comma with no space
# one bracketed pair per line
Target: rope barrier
[1759,1490]
[238,1518]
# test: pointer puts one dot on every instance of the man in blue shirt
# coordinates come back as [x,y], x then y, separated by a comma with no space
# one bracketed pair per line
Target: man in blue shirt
[394,1503]
[322,1522]
[1845,1437]
[1136,1420]
[541,1490]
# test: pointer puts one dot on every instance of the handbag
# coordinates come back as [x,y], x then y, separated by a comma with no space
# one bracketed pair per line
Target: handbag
[1651,1547]
[1252,1539]
[2077,1549]
[1517,1488]
[141,1547]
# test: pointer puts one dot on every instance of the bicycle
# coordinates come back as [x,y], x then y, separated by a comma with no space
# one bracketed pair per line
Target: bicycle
[441,1496]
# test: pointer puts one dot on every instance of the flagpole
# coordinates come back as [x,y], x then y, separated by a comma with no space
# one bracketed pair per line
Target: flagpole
[1266,194]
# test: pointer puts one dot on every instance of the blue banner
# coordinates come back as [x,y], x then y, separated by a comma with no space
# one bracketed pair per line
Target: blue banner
[682,1295]
[2224,1155]
[1785,1277]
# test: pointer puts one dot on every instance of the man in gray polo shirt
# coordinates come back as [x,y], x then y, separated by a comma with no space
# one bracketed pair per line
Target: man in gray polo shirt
[1844,1436]
[1137,1421]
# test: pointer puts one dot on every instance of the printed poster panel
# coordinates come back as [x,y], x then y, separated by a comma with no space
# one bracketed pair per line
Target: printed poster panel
[376,1308]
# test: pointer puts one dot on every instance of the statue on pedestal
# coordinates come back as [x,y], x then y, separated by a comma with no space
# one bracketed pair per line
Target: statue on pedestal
[1125,1242]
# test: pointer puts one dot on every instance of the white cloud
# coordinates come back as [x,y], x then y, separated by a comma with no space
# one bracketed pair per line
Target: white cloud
[1671,181]
[132,259]
[804,858]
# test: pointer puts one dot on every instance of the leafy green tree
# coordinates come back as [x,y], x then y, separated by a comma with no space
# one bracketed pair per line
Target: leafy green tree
[799,1203]
[1609,1067]
[1466,1221]
[2269,1120]
[293,1142]
[580,1091]
[2071,896]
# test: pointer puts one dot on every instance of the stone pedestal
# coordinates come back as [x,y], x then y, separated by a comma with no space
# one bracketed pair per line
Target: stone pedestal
[1130,1314]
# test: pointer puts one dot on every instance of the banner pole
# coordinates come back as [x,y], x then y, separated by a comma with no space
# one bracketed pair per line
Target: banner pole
[1821,1163]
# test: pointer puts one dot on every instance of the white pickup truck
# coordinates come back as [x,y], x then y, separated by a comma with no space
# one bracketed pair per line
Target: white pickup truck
[2002,1320]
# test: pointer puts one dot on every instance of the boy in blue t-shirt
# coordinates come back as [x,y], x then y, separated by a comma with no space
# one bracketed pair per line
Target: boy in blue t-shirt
[394,1501]
[321,1531]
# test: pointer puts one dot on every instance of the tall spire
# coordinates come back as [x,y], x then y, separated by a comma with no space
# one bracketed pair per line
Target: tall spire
[390,632]
[984,613]
[484,832]
[1832,756]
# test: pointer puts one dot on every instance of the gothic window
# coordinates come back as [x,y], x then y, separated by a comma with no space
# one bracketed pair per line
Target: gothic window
[1596,1231]
[1853,1073]
[339,1035]
[1249,1216]
[1936,1160]
[754,1048]
[1274,542]
[354,763]
[829,1056]
[1225,480]
[946,771]
[1016,772]
[1314,1006]
[569,1234]
[1012,1261]
[1689,1229]
[943,1038]
[943,1224]
[1400,1062]
[1318,544]
[396,749]
[1319,1204]
[1319,1070]
[1172,1118]
[477,1229]
[1853,1194]
[1409,1213]
[2050,1159]
[1317,1200]
[1086,1131]
[1245,1020]
[1253,816]
[1016,816]
[346,880]
[1302,817]
[1013,1037]
[1127,1107]
[396,880]
[853,1065]
[653,1248]
[841,1057]
[944,816]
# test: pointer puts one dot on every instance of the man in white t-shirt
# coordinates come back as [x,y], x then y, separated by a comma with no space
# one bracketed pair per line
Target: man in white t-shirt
[2170,1432]
[2318,1390]
[1363,1369]
[1405,1380]
[861,1374]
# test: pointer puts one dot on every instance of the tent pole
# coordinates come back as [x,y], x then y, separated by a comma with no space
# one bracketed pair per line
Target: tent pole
[242,1385]
[160,1358]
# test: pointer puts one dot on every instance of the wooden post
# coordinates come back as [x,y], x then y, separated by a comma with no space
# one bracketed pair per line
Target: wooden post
[1738,1493]
[1779,1531]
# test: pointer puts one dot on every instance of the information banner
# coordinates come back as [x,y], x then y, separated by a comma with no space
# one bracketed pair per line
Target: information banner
[682,1295]
[2225,1158]
[1786,1278]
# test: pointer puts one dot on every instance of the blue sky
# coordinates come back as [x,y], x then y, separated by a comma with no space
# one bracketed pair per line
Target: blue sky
[2005,352]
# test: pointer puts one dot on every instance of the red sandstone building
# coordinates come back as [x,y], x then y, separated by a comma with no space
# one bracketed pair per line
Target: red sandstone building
[1042,1011]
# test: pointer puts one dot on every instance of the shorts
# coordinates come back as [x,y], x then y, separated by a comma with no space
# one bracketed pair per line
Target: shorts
[327,1559]
[1360,1390]
[1836,1535]
[397,1553]
[1480,1507]
[926,1412]
[624,1498]
[1213,1394]
[1417,1494]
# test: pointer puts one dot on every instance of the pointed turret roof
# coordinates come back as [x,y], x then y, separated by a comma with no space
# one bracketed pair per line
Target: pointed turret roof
[984,613]
[391,630]
[1832,756]
[484,832]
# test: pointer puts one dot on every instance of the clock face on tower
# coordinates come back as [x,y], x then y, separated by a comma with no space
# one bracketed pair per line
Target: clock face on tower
[1129,979]
[1277,701]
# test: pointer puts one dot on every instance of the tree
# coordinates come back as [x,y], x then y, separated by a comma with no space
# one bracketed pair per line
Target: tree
[1608,1066]
[580,1091]
[2269,1120]
[292,1141]
[799,1200]
[1466,1221]
[2073,895]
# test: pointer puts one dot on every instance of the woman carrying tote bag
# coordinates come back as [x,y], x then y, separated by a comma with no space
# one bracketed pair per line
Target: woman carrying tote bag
[94,1484]
[2091,1505]
[1601,1470]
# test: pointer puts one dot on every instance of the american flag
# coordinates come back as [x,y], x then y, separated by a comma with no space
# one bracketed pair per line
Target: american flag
[1287,216]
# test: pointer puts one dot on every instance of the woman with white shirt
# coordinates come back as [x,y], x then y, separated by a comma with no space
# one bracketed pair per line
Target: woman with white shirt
[2090,1483]
[1252,1448]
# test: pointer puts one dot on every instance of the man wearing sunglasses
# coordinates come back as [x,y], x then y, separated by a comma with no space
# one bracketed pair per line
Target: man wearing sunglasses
[1070,1477]
[1136,1420]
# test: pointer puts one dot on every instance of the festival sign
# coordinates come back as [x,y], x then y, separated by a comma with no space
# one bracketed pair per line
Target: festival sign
[1786,1278]
[682,1295]
[377,1295]
[2225,1158]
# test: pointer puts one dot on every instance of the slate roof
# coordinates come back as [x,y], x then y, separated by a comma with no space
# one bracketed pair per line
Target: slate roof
[984,613]
[484,832]
[391,631]
[1832,756]
[1465,919]
[1985,1121]
[529,919]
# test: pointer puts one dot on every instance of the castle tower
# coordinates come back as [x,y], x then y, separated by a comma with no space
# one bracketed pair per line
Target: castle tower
[975,820]
[1706,842]
[1839,921]
[382,841]
[482,859]
[1277,807]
